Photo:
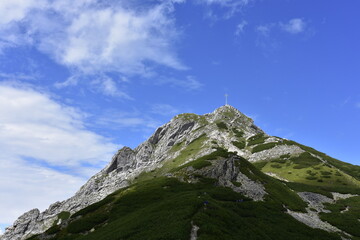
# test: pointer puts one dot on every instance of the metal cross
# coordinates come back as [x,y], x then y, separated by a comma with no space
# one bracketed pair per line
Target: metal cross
[226,98]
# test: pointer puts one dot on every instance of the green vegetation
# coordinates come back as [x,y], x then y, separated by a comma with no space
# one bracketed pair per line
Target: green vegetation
[263,147]
[88,222]
[257,139]
[352,170]
[240,145]
[64,215]
[176,147]
[278,192]
[93,207]
[221,126]
[197,164]
[310,170]
[188,152]
[164,208]
[344,215]
[238,134]
[305,160]
[193,117]
[204,160]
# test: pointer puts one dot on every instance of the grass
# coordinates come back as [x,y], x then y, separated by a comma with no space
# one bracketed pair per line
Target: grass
[238,144]
[176,147]
[307,169]
[278,192]
[188,152]
[93,207]
[193,117]
[64,215]
[350,169]
[348,220]
[221,126]
[262,147]
[164,208]
[257,139]
[204,160]
[238,133]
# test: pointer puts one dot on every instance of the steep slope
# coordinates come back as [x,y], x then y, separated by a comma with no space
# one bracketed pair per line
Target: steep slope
[200,173]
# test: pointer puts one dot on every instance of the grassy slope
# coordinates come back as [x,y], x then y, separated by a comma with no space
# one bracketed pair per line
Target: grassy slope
[189,151]
[163,208]
[345,215]
[309,170]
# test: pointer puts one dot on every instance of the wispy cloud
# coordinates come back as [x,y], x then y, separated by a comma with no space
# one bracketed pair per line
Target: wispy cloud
[39,138]
[240,27]
[109,87]
[294,26]
[189,83]
[92,36]
[264,30]
[231,7]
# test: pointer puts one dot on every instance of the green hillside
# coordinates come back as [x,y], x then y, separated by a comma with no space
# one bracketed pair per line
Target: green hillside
[164,208]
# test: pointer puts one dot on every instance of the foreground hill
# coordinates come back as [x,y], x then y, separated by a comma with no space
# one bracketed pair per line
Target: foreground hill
[212,176]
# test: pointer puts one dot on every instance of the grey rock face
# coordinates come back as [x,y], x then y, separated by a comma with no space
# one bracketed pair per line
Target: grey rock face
[275,152]
[315,200]
[226,171]
[154,153]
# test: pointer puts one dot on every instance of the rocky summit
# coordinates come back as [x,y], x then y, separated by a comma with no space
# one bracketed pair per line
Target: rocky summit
[212,176]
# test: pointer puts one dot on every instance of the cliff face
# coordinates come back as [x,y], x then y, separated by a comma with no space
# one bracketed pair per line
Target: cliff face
[185,138]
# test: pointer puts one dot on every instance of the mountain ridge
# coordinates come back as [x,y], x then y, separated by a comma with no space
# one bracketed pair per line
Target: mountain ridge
[183,148]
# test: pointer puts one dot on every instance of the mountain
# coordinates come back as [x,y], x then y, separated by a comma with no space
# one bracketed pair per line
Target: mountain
[212,176]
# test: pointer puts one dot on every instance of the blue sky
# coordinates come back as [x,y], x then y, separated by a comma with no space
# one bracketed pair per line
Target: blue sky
[80,80]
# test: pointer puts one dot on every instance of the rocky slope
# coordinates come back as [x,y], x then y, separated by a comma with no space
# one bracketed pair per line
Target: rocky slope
[182,149]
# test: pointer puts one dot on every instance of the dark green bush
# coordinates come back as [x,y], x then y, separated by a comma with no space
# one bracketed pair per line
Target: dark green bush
[87,223]
[238,134]
[222,125]
[257,139]
[239,145]
[262,147]
[305,160]
[275,165]
[94,207]
[54,229]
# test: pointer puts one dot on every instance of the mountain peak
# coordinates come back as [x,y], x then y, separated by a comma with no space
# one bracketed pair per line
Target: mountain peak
[229,111]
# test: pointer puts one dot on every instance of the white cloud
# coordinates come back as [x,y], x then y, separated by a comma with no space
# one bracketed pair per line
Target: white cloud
[24,187]
[240,28]
[93,36]
[264,30]
[233,4]
[231,7]
[294,26]
[43,146]
[109,87]
[33,125]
